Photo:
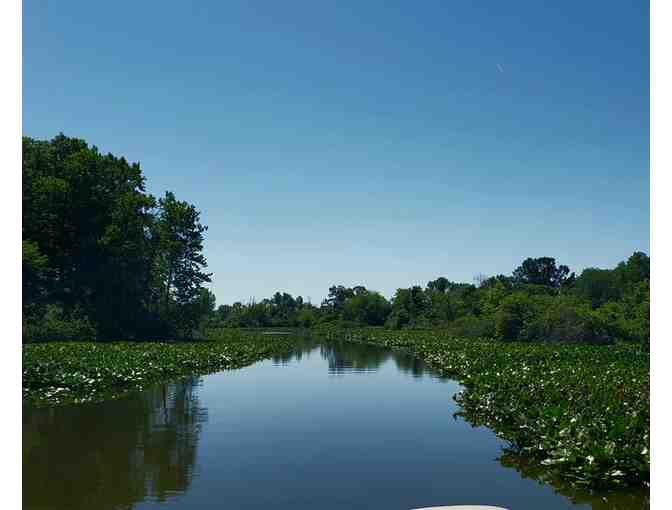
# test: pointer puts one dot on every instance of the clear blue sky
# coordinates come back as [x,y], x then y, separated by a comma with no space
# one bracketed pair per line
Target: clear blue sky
[377,143]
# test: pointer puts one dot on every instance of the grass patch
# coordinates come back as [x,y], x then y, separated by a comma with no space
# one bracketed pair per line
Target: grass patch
[580,412]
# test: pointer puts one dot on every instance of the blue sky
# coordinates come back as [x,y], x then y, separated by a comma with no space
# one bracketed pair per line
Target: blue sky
[376,143]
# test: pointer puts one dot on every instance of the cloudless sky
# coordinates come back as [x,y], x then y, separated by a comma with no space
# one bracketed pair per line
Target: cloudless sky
[373,142]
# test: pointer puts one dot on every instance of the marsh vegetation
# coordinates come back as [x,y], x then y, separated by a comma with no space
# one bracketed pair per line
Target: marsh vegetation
[579,411]
[114,297]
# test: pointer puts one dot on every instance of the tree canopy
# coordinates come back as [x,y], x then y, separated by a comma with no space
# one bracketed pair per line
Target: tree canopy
[103,259]
[542,271]
[100,252]
[539,301]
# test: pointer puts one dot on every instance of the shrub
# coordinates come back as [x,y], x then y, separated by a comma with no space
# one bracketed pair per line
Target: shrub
[628,319]
[511,317]
[565,320]
[636,311]
[473,327]
[54,325]
[397,319]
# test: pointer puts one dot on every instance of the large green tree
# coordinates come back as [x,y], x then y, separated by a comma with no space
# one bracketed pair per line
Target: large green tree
[88,214]
[95,243]
[179,262]
[542,271]
[366,308]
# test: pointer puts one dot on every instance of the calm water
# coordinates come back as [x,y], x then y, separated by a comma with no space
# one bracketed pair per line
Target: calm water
[331,426]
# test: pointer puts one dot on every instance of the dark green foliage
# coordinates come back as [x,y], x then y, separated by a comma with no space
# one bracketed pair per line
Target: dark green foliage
[441,284]
[440,309]
[512,316]
[101,250]
[108,256]
[542,271]
[366,308]
[281,310]
[307,317]
[87,213]
[637,269]
[34,272]
[84,371]
[636,311]
[540,303]
[355,306]
[408,308]
[56,325]
[598,286]
[470,326]
[177,238]
[540,317]
[629,317]
[601,286]
[336,299]
[564,319]
[580,412]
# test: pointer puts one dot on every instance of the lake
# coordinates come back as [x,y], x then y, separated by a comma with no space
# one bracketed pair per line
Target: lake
[328,426]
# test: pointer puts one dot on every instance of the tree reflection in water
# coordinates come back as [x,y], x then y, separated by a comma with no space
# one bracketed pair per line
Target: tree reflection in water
[117,453]
[344,357]
[303,345]
[114,454]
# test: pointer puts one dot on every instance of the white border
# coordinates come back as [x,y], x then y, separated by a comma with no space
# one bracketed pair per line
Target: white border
[661,254]
[10,226]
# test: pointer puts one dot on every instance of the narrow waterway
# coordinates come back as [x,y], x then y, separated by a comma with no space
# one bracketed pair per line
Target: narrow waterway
[330,426]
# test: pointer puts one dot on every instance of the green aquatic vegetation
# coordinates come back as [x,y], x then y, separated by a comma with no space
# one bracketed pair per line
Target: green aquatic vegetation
[86,371]
[579,411]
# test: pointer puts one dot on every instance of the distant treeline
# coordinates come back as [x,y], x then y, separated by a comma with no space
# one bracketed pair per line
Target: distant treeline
[539,301]
[102,259]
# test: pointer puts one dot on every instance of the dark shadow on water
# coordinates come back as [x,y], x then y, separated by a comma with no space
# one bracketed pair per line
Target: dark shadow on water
[113,454]
[144,446]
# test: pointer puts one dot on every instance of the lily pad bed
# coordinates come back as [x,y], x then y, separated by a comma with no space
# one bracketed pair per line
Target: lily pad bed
[74,372]
[579,411]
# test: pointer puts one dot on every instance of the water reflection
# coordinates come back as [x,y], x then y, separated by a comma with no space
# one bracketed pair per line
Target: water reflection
[285,438]
[411,365]
[303,345]
[344,357]
[111,455]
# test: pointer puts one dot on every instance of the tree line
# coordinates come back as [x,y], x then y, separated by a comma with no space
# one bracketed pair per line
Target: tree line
[539,301]
[105,260]
[102,258]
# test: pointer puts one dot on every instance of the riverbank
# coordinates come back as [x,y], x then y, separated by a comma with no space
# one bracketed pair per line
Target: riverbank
[579,412]
[63,372]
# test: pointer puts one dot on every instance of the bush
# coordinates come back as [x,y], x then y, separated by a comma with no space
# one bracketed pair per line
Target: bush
[628,319]
[473,327]
[513,314]
[636,310]
[306,318]
[55,326]
[564,320]
[397,319]
[522,317]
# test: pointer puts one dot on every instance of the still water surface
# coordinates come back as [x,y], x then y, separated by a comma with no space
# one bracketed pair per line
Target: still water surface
[330,426]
